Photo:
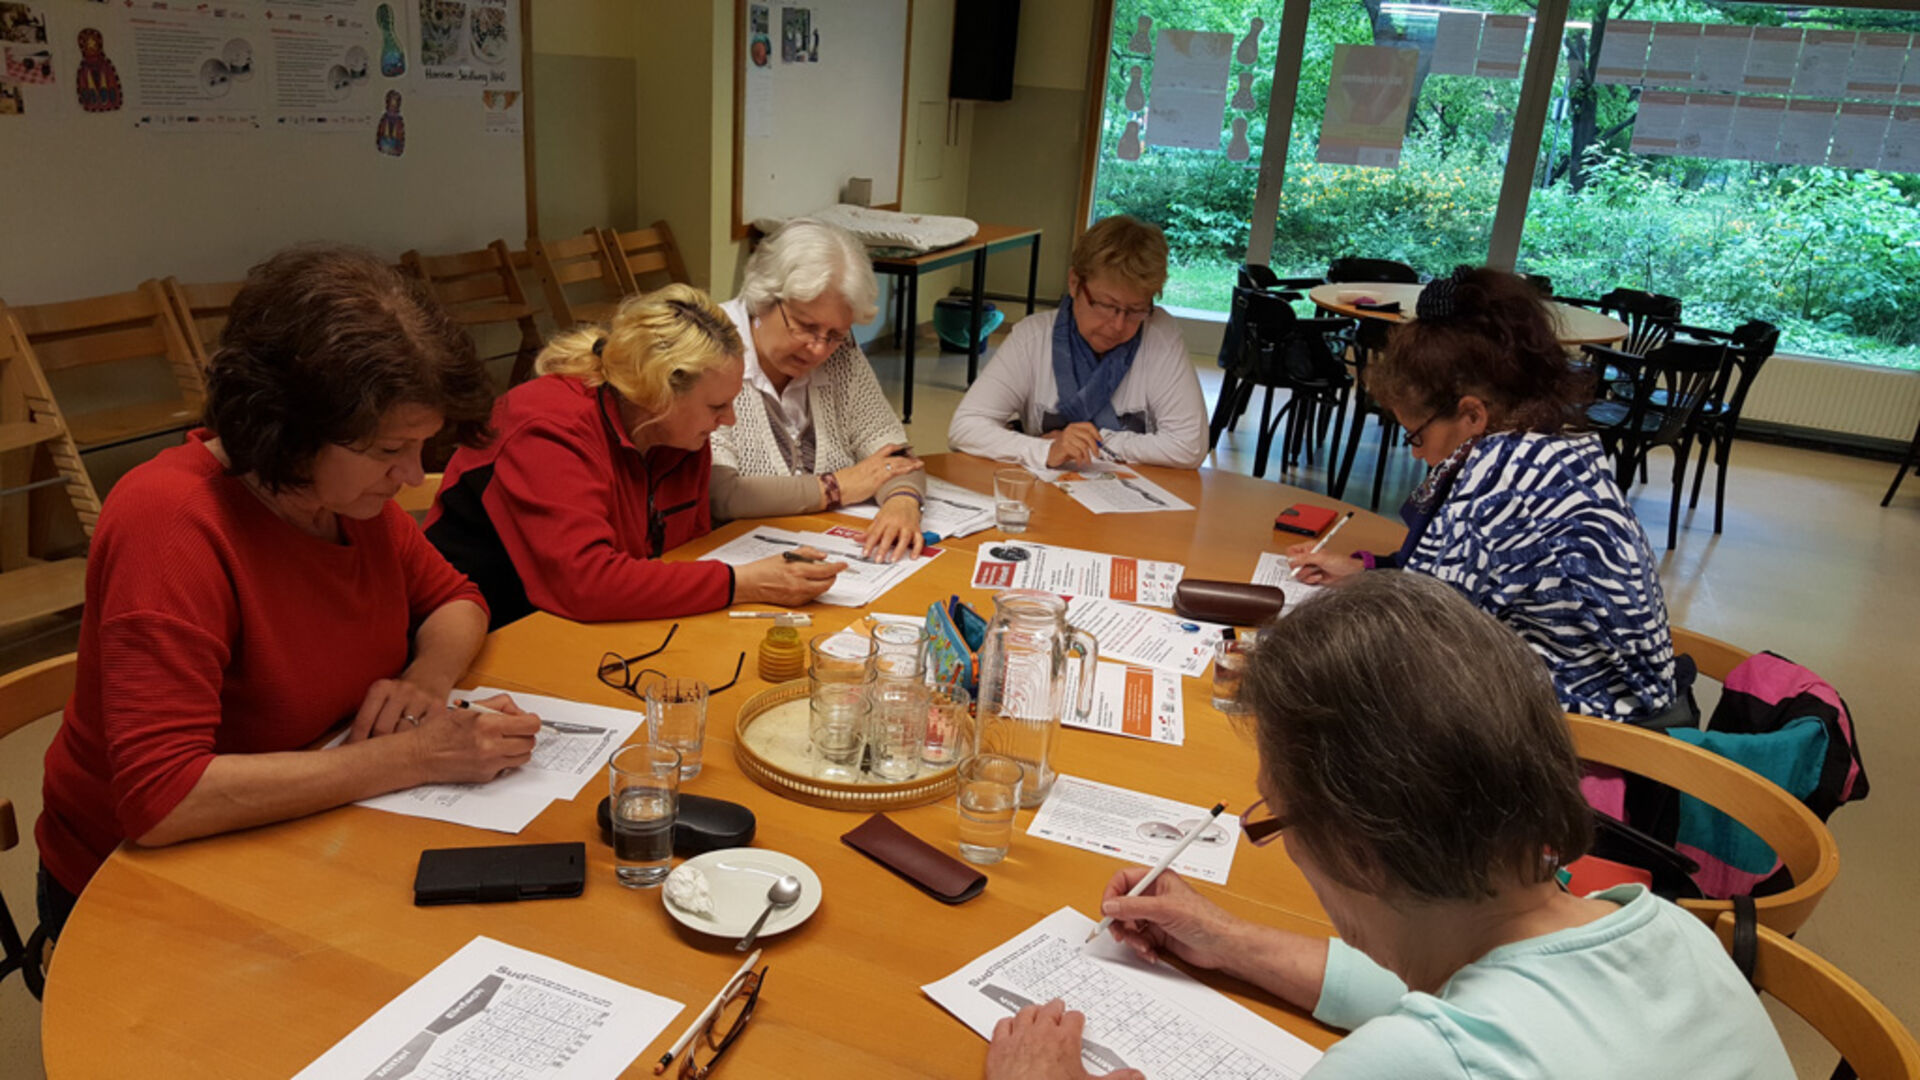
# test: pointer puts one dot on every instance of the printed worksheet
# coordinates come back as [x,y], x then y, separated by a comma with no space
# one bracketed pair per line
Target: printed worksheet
[951,510]
[1151,1017]
[1117,489]
[861,583]
[1010,564]
[1152,639]
[494,1012]
[1273,569]
[1135,826]
[1137,702]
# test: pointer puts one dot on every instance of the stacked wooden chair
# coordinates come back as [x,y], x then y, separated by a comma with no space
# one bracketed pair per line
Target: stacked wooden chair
[38,457]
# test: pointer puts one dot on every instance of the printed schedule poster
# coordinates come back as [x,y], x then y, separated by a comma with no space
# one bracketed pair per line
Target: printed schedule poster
[467,46]
[196,72]
[321,75]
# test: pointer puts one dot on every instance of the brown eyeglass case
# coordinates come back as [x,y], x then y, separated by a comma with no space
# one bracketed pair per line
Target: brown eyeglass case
[1235,603]
[942,876]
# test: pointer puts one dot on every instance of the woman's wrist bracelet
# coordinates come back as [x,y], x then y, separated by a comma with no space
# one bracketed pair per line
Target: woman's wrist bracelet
[918,500]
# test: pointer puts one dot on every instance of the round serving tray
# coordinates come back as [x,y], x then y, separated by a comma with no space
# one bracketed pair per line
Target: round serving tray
[770,743]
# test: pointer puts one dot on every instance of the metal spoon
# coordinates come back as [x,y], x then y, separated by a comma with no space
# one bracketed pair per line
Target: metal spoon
[780,894]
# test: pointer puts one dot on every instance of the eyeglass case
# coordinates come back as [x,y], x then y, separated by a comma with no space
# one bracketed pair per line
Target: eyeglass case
[1236,603]
[938,874]
[701,825]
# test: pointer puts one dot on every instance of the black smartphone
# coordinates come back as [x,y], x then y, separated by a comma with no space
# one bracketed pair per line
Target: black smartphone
[485,875]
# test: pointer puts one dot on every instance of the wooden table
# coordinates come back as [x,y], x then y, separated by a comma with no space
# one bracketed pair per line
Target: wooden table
[1574,325]
[908,268]
[250,954]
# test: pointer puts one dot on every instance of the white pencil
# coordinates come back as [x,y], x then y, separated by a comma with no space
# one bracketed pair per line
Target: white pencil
[693,1029]
[1161,866]
[1294,574]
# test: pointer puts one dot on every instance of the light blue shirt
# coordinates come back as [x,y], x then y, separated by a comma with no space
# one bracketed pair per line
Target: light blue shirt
[1645,991]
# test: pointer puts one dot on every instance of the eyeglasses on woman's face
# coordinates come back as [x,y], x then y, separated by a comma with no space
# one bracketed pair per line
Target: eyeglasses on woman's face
[1106,309]
[1264,829]
[809,332]
[1417,437]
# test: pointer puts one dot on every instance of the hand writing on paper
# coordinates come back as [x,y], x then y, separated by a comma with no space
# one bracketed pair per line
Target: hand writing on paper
[1170,918]
[1075,444]
[392,705]
[1322,567]
[1042,1042]
[461,746]
[778,580]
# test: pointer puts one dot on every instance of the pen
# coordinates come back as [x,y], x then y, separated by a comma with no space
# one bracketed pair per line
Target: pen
[1161,866]
[686,1036]
[758,614]
[1294,574]
[795,556]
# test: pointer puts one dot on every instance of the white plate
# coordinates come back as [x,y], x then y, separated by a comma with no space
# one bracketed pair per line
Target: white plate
[739,879]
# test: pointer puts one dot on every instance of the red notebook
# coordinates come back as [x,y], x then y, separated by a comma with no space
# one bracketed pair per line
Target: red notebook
[1305,520]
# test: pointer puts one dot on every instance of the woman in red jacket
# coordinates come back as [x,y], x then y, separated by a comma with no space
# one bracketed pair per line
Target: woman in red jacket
[255,587]
[601,465]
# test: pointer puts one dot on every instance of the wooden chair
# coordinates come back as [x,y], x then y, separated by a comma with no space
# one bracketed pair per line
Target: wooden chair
[202,312]
[36,454]
[417,499]
[1871,1040]
[1796,835]
[26,695]
[479,288]
[573,261]
[1711,656]
[645,259]
[123,334]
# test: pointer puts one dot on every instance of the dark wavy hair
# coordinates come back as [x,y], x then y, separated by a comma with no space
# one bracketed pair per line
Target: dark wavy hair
[1496,343]
[320,343]
[1415,743]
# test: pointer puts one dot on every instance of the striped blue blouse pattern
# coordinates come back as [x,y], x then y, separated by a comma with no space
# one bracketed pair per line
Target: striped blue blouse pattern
[1536,532]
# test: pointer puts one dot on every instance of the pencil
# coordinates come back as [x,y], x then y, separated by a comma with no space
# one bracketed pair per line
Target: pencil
[1161,866]
[686,1036]
[1294,574]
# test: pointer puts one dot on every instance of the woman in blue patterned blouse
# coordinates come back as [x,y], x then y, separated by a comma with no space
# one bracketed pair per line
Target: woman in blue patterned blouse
[1520,512]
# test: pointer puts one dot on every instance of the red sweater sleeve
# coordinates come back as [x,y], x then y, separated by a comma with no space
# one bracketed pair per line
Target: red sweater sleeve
[432,582]
[551,501]
[160,682]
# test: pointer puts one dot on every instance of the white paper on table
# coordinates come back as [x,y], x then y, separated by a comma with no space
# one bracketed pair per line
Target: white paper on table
[1503,43]
[1152,1017]
[1705,123]
[1822,69]
[1902,152]
[1656,129]
[1805,130]
[1858,135]
[950,510]
[1189,96]
[1011,564]
[1755,135]
[1877,63]
[1137,702]
[1118,491]
[491,1011]
[1456,43]
[1153,639]
[1672,54]
[1722,63]
[1135,826]
[1623,52]
[861,583]
[1771,59]
[1272,569]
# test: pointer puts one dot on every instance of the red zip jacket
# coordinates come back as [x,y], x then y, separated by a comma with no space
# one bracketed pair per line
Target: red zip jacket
[563,514]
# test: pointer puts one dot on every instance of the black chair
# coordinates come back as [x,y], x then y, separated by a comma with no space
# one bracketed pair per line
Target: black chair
[1280,351]
[1350,268]
[1650,317]
[1912,462]
[1541,283]
[1668,386]
[1369,340]
[1749,346]
[1261,276]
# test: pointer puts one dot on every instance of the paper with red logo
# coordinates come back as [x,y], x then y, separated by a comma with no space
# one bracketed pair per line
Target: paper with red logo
[1009,564]
[1138,702]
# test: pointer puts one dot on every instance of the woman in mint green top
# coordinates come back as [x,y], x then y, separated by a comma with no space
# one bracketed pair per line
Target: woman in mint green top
[1415,759]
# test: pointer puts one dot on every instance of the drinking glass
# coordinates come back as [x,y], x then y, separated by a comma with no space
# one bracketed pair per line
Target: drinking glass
[1230,657]
[900,650]
[677,717]
[837,721]
[949,725]
[1011,487]
[897,730]
[643,781]
[988,796]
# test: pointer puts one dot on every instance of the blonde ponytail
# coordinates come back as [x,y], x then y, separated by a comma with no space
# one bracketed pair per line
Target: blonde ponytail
[656,346]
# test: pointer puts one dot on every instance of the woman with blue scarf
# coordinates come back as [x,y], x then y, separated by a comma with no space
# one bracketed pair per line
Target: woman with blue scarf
[1105,377]
[1521,512]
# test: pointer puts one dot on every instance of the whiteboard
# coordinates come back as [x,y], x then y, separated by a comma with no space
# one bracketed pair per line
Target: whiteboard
[803,126]
[97,202]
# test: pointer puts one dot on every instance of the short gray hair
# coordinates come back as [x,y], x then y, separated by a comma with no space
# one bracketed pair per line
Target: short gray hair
[1415,743]
[804,259]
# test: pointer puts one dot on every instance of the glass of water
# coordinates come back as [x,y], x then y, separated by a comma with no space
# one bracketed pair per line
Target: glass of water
[644,785]
[837,721]
[1230,657]
[988,795]
[677,717]
[1011,488]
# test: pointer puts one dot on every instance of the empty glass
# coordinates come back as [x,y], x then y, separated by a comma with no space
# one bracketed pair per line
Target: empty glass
[1011,487]
[837,726]
[897,729]
[900,650]
[949,725]
[677,717]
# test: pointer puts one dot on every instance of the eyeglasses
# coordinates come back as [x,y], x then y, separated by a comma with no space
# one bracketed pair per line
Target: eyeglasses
[623,674]
[724,1026]
[810,332]
[1264,831]
[1417,436]
[1113,311]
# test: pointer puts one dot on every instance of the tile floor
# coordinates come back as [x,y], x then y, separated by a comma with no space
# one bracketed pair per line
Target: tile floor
[1809,566]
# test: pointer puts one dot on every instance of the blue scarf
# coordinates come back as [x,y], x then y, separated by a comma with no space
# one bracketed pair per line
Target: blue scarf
[1084,382]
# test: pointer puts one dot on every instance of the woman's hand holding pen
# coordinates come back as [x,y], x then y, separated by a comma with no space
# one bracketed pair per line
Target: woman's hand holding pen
[1321,567]
[472,746]
[789,582]
[1077,443]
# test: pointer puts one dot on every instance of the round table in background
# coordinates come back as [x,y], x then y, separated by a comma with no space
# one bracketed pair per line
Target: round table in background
[1574,325]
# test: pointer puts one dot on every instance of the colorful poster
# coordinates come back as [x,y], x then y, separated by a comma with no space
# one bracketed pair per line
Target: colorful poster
[322,75]
[1674,52]
[1656,128]
[23,30]
[1822,70]
[1456,43]
[1771,58]
[195,72]
[12,102]
[1503,46]
[1877,62]
[501,112]
[796,34]
[1623,52]
[1189,99]
[1367,101]
[467,45]
[1755,134]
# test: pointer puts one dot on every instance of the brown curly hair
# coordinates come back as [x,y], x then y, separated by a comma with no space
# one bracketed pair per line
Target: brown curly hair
[1497,344]
[321,342]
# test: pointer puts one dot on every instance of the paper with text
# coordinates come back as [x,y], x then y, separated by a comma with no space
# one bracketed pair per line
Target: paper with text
[1010,564]
[950,511]
[1153,639]
[861,583]
[1117,490]
[1137,702]
[1135,826]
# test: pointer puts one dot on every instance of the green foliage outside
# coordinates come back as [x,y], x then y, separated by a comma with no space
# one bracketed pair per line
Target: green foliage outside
[1830,256]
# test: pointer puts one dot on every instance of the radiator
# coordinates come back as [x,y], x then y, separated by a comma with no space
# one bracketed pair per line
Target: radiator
[1827,395]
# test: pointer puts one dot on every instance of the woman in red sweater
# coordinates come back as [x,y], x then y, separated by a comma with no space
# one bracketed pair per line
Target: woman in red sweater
[255,587]
[599,466]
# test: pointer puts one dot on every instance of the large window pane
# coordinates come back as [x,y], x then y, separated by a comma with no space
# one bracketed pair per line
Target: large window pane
[1830,254]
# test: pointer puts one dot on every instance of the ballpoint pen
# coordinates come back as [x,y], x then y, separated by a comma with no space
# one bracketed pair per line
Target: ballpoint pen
[1165,861]
[1294,573]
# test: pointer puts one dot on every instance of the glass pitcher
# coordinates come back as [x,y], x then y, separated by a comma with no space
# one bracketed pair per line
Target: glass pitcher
[1024,682]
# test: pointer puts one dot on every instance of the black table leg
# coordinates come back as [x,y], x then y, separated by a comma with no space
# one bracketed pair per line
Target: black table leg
[912,327]
[979,299]
[1033,271]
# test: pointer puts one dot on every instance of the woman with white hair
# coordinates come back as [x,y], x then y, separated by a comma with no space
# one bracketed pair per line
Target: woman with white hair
[813,430]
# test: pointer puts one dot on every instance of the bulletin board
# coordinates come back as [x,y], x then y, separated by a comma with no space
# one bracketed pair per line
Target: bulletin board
[820,95]
[161,139]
